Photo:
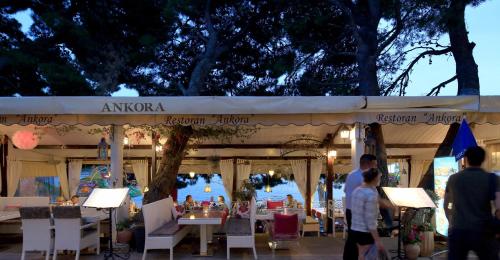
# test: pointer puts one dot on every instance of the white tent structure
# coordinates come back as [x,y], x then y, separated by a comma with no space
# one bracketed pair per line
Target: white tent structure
[413,128]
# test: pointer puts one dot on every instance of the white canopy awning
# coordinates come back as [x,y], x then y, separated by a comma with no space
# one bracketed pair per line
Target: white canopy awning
[264,111]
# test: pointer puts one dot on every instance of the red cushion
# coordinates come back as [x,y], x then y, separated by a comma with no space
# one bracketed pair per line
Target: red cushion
[243,210]
[286,224]
[274,204]
[225,213]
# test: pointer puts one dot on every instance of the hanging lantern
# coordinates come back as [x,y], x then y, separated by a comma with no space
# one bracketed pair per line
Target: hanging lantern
[271,173]
[207,188]
[344,132]
[268,188]
[191,174]
[24,139]
[102,150]
[332,154]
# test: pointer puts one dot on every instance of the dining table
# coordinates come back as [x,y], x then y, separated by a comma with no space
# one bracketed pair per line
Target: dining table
[203,219]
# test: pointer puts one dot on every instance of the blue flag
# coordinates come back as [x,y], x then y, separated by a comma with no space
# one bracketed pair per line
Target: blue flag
[463,141]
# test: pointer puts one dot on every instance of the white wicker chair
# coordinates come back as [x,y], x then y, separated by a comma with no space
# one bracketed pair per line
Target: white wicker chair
[37,230]
[71,234]
[239,235]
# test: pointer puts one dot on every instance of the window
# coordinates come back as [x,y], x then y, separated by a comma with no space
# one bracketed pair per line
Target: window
[394,174]
[280,187]
[319,194]
[195,187]
[39,187]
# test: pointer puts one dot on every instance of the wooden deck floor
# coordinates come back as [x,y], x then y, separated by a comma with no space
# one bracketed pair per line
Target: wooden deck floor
[308,248]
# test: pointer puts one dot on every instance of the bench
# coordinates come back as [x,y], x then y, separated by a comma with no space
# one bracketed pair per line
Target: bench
[10,222]
[161,229]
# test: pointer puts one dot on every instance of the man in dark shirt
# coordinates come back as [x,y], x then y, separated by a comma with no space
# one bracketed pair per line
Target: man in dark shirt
[467,205]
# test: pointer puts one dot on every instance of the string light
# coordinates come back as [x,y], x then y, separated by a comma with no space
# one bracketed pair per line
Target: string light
[207,189]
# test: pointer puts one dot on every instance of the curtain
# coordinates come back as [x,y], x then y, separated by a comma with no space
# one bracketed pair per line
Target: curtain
[299,169]
[14,169]
[158,163]
[75,170]
[140,168]
[316,167]
[418,169]
[63,178]
[227,172]
[243,170]
[33,169]
[403,173]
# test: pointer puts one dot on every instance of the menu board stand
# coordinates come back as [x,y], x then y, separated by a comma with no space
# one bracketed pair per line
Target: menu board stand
[108,199]
[407,198]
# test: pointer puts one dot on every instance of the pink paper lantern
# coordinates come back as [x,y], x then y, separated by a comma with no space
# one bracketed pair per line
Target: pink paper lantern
[24,139]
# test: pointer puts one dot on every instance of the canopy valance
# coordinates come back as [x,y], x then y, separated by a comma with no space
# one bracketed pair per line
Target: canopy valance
[264,111]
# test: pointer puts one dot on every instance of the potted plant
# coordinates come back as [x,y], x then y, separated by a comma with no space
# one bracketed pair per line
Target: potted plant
[412,242]
[123,232]
[245,192]
[423,218]
[427,245]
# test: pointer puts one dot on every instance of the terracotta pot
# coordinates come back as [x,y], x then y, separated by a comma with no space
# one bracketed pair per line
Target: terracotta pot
[427,245]
[412,251]
[124,236]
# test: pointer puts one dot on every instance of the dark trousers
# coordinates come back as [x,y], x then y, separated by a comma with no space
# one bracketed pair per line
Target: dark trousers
[350,247]
[387,217]
[460,242]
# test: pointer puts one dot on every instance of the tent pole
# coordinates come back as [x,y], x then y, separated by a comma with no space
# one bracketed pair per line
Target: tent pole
[329,191]
[308,198]
[153,160]
[3,168]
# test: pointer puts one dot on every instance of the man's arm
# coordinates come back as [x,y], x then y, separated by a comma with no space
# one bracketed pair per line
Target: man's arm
[497,205]
[448,199]
[385,204]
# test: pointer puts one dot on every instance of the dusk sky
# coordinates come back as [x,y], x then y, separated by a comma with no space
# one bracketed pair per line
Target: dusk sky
[482,23]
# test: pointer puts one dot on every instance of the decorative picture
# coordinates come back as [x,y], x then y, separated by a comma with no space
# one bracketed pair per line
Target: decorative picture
[444,167]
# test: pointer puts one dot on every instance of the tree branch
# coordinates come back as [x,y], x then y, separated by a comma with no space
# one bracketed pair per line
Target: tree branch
[397,29]
[407,71]
[347,6]
[435,90]
[208,18]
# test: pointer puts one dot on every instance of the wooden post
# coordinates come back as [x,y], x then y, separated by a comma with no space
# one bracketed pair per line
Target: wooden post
[329,190]
[308,198]
[3,170]
[409,172]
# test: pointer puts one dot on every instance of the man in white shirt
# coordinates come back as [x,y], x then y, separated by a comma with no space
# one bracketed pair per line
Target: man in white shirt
[354,180]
